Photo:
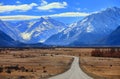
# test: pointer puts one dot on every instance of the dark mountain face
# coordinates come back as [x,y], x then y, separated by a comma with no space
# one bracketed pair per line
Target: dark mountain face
[6,41]
[113,38]
[89,30]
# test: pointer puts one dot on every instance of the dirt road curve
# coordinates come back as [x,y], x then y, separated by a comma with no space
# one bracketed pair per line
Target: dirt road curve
[74,72]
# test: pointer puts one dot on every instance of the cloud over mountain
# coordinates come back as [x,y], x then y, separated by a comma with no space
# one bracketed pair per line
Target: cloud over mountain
[53,5]
[22,7]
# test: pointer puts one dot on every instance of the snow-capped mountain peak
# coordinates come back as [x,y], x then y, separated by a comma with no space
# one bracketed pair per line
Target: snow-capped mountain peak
[90,29]
[40,29]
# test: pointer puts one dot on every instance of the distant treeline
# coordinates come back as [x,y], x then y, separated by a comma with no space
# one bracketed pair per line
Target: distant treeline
[110,52]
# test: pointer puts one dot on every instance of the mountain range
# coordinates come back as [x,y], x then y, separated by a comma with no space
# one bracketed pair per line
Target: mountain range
[88,31]
[39,30]
[95,29]
[7,41]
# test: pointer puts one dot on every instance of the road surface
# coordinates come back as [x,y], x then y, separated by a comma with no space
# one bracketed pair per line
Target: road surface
[74,72]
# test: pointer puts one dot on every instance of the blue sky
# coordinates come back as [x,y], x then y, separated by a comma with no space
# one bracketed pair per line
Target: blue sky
[32,9]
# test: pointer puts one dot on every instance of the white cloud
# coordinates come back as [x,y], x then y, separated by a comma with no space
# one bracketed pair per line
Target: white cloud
[18,2]
[28,17]
[53,5]
[70,14]
[23,7]
[18,17]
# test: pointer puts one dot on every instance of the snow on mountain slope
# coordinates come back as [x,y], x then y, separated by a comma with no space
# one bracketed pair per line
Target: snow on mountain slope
[7,41]
[89,30]
[39,30]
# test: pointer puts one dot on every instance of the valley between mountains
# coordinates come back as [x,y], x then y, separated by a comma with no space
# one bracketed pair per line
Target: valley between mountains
[59,39]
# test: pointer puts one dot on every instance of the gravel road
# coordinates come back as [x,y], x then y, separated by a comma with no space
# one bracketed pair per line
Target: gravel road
[74,72]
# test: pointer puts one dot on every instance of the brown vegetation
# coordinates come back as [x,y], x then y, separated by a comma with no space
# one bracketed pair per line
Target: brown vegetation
[31,64]
[104,63]
[111,52]
[100,63]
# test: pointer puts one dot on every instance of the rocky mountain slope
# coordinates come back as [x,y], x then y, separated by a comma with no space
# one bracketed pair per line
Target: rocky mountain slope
[89,30]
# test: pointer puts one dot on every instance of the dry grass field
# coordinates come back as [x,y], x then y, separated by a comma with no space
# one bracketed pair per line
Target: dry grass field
[31,65]
[43,63]
[101,67]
